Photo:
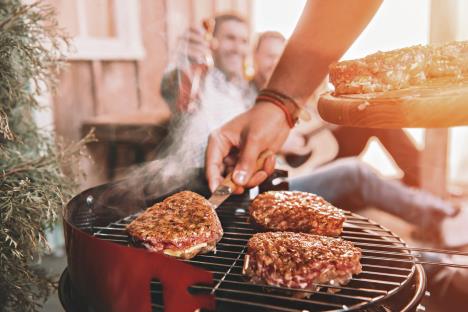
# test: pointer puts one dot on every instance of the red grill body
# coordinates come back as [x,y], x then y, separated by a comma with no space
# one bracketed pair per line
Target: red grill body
[112,277]
[107,271]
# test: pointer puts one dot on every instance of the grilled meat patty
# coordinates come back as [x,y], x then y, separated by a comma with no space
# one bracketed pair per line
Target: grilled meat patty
[297,212]
[183,225]
[402,68]
[300,260]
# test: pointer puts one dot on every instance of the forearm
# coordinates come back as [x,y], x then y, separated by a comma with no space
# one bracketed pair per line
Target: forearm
[325,31]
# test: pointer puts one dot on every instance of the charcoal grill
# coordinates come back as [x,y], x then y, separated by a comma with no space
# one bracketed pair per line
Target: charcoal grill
[390,279]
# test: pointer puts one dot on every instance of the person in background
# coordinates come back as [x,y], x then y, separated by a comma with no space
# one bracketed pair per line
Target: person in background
[324,32]
[205,86]
[266,53]
[211,95]
[209,67]
[349,183]
[351,140]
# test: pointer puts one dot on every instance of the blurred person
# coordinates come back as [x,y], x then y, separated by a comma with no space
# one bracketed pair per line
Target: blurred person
[351,140]
[191,83]
[324,32]
[348,183]
[267,51]
[221,95]
[203,96]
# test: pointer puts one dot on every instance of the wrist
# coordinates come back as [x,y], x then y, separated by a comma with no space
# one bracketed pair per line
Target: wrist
[278,109]
[290,107]
[292,91]
[271,112]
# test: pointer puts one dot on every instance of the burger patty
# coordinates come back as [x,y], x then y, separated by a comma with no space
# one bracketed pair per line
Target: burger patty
[183,225]
[402,68]
[297,212]
[300,260]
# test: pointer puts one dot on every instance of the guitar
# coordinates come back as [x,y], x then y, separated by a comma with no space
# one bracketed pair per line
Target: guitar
[320,147]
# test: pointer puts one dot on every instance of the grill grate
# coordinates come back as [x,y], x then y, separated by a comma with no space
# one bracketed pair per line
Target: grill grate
[387,265]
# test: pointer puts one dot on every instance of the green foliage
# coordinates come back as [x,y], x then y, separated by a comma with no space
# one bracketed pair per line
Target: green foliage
[33,186]
[31,47]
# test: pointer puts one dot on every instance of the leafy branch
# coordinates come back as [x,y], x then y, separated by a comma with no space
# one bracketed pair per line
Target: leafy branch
[33,185]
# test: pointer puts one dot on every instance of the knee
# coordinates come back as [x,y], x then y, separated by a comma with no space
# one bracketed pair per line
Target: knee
[356,169]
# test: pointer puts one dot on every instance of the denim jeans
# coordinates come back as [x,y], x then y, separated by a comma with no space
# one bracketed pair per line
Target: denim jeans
[350,184]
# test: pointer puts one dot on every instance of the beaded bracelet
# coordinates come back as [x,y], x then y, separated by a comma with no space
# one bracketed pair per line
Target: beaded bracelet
[289,118]
[291,109]
[278,94]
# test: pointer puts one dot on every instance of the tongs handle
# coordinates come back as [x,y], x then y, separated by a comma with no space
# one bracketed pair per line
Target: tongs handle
[258,166]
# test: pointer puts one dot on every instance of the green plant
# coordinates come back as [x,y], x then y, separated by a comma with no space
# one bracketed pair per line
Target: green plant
[33,186]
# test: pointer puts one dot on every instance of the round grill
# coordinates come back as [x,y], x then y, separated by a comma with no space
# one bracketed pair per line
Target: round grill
[387,266]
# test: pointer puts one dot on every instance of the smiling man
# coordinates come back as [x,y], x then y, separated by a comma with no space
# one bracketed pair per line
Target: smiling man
[230,45]
[205,85]
[192,84]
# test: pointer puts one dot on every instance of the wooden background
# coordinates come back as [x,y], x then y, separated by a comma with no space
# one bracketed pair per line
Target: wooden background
[96,90]
[93,88]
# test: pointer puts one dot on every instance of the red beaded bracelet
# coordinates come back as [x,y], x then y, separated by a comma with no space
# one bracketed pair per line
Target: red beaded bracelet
[290,120]
[284,97]
[289,106]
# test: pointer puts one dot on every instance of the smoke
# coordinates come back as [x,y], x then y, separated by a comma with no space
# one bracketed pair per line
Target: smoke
[180,157]
[178,162]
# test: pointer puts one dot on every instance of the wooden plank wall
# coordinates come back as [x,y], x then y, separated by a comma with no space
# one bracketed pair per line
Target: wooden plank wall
[91,88]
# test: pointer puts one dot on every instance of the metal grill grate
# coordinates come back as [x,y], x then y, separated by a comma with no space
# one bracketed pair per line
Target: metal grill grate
[387,265]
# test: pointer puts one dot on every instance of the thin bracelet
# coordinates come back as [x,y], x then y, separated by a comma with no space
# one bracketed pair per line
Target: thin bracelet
[290,120]
[283,96]
[290,104]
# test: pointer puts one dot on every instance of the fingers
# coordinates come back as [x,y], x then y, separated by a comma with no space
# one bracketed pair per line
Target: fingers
[451,210]
[213,175]
[197,54]
[258,178]
[213,168]
[456,211]
[239,190]
[244,132]
[229,165]
[217,160]
[230,160]
[269,165]
[245,168]
[216,151]
[196,35]
[194,45]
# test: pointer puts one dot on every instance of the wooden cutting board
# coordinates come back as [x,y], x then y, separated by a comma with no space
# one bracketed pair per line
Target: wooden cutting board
[439,103]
